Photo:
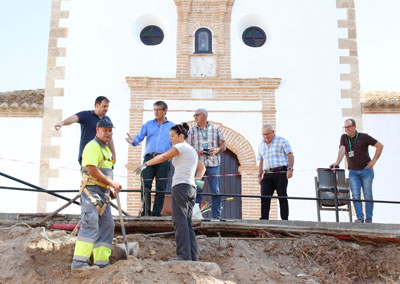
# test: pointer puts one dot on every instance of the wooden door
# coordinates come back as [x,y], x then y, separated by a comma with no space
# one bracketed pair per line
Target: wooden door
[228,184]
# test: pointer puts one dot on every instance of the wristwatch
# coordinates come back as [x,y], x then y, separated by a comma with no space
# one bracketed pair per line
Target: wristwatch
[290,169]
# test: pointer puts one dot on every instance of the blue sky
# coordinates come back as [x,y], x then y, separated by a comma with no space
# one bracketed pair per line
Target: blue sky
[24,32]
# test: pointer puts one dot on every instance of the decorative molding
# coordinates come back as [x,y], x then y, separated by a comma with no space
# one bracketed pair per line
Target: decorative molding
[50,114]
[350,44]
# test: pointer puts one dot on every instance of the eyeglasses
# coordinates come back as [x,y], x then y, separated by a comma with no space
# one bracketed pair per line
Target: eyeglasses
[347,127]
[197,114]
[267,134]
[158,109]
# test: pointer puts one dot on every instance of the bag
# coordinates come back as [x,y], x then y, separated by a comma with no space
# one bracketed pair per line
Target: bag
[196,212]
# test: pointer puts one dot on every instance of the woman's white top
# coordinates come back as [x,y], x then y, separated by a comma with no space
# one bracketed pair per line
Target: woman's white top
[185,164]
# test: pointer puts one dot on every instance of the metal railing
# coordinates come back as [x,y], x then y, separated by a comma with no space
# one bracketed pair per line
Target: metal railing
[146,191]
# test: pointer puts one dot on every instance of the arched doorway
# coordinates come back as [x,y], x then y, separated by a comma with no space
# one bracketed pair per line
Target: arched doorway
[228,184]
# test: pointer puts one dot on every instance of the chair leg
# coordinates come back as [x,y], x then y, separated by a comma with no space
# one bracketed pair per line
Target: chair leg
[318,201]
[350,213]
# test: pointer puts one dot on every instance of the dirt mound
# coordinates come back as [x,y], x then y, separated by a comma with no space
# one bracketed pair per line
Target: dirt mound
[27,257]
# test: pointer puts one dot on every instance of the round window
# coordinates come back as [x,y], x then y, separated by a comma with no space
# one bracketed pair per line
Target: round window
[151,35]
[254,37]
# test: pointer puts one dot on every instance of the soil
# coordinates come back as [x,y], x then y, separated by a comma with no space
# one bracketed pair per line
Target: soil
[27,257]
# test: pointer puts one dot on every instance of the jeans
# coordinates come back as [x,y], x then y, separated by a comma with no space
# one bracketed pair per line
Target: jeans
[213,183]
[159,171]
[362,178]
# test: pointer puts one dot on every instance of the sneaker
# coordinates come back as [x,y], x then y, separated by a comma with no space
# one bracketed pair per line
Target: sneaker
[215,219]
[359,221]
[368,221]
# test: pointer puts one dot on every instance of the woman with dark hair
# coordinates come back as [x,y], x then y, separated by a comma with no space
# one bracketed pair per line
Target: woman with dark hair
[185,160]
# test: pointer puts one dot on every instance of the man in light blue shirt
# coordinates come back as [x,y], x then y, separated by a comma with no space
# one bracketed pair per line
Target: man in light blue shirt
[156,132]
[275,168]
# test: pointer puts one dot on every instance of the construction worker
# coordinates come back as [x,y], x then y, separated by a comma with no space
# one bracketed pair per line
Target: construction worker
[97,230]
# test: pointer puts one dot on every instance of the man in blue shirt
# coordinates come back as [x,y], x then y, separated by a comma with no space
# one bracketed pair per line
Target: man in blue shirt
[88,120]
[156,132]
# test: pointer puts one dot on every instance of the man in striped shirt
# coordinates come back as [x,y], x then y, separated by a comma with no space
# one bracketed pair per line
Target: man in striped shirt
[208,141]
[275,168]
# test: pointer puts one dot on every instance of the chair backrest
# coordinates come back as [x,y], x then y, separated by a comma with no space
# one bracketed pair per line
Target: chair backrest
[326,178]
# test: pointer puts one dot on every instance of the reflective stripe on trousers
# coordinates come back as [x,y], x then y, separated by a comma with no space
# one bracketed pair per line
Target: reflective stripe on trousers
[96,232]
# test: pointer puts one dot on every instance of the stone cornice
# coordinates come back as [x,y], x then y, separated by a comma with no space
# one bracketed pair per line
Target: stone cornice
[200,83]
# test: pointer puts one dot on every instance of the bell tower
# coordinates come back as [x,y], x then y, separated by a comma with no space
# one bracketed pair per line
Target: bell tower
[203,78]
[204,38]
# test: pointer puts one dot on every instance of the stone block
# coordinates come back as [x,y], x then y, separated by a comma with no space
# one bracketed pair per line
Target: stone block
[344,3]
[58,32]
[346,24]
[348,60]
[345,43]
[352,33]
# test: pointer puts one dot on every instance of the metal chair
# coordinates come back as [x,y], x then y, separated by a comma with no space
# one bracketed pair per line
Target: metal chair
[331,185]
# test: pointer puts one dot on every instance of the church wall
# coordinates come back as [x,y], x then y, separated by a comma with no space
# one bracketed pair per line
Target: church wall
[20,158]
[303,49]
[103,47]
[385,128]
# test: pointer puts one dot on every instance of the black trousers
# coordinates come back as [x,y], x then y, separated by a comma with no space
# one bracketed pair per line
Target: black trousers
[157,171]
[269,184]
[183,197]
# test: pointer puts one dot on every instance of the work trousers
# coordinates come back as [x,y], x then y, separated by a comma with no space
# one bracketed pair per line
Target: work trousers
[97,232]
[183,197]
[270,183]
[160,172]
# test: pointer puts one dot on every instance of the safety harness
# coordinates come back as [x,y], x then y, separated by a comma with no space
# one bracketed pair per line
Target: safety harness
[89,180]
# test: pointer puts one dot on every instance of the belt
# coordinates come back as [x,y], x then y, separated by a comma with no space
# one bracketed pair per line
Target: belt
[153,154]
[277,169]
[89,180]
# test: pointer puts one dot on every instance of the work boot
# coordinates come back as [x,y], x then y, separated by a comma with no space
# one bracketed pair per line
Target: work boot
[80,265]
[102,265]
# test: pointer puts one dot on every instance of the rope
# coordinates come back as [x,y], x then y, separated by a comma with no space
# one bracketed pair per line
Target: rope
[15,225]
[123,176]
[44,234]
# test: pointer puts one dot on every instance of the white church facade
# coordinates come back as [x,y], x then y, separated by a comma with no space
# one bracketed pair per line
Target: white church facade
[292,64]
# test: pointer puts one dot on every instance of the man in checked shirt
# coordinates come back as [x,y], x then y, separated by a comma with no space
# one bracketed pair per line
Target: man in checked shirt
[208,141]
[275,168]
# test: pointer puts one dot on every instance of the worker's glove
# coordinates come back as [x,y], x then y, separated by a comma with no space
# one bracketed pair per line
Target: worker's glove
[200,183]
[139,170]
